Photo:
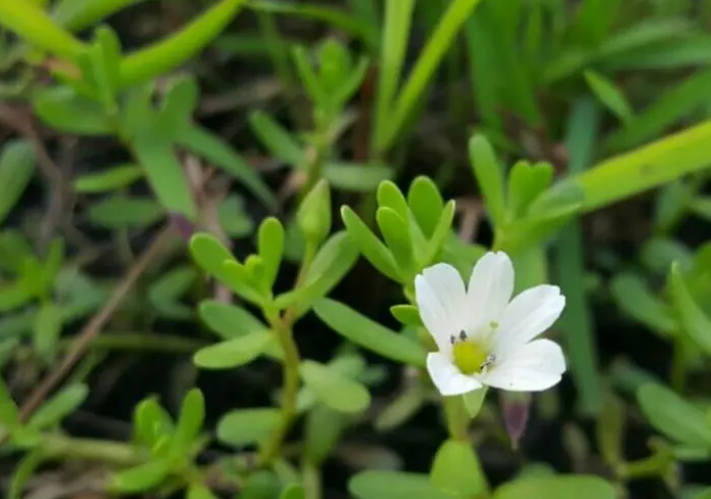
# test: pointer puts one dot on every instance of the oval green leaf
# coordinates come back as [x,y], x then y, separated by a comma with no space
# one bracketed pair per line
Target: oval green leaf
[247,426]
[369,334]
[673,416]
[557,487]
[334,389]
[232,353]
[394,485]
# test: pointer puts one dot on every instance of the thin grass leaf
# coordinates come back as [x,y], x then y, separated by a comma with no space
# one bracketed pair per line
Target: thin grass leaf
[664,112]
[658,163]
[428,61]
[335,17]
[17,166]
[396,34]
[576,321]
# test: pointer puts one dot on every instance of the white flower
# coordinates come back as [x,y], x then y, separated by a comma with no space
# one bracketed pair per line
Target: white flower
[484,337]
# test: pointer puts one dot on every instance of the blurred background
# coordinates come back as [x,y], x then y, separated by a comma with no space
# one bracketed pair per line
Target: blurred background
[126,126]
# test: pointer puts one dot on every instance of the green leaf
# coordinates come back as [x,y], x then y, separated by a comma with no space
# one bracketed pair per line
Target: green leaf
[370,246]
[456,13]
[169,53]
[247,426]
[659,253]
[165,174]
[14,249]
[393,49]
[120,212]
[246,280]
[15,295]
[293,491]
[396,234]
[663,112]
[212,257]
[271,247]
[334,389]
[557,487]
[390,196]
[655,164]
[232,353]
[192,416]
[634,298]
[63,109]
[314,213]
[609,95]
[116,177]
[323,429]
[526,183]
[229,321]
[610,429]
[474,400]
[76,16]
[456,469]
[17,166]
[233,219]
[210,254]
[439,236]
[172,285]
[694,323]
[356,177]
[31,23]
[400,409]
[261,485]
[369,334]
[277,139]
[332,262]
[47,328]
[58,407]
[394,485]
[140,478]
[200,491]
[489,175]
[24,471]
[151,423]
[673,416]
[308,76]
[426,204]
[204,143]
[9,415]
[179,101]
[408,315]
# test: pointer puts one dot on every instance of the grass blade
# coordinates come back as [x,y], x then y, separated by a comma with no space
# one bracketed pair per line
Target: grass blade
[576,321]
[428,61]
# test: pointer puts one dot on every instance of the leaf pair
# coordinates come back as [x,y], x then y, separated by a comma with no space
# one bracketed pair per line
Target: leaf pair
[524,208]
[172,445]
[413,229]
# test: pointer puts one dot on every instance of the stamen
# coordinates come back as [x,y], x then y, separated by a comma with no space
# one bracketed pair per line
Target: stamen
[462,335]
[452,339]
[490,359]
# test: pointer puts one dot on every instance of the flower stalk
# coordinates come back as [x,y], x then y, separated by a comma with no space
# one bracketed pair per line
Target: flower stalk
[283,328]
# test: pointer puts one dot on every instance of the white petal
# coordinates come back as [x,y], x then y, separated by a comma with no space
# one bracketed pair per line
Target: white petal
[490,287]
[531,368]
[447,378]
[529,314]
[440,296]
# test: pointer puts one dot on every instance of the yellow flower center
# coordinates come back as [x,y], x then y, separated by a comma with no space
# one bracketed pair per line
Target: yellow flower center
[469,357]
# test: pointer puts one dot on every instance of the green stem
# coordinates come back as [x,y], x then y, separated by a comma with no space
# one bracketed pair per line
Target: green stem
[312,481]
[292,359]
[106,451]
[456,418]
